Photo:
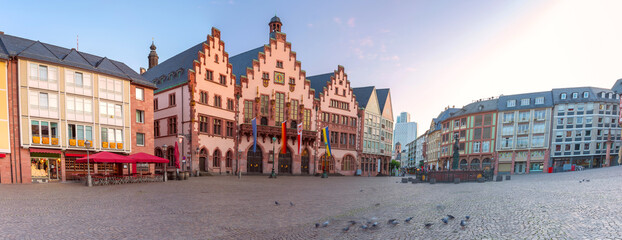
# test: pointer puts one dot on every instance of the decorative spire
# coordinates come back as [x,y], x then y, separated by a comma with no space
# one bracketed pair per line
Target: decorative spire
[275,24]
[153,56]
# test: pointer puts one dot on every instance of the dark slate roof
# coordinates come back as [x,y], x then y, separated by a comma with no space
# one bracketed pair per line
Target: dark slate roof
[442,116]
[479,106]
[11,46]
[503,106]
[242,61]
[594,95]
[318,82]
[275,19]
[617,87]
[382,97]
[362,95]
[173,71]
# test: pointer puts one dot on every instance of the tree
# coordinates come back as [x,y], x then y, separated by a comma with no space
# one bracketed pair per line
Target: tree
[394,164]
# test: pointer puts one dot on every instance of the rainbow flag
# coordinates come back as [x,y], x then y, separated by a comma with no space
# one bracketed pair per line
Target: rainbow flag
[326,140]
[283,138]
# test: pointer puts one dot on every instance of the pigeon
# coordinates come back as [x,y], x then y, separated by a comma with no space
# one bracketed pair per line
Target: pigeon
[377,204]
[375,224]
[444,220]
[276,203]
[587,180]
[364,227]
[579,181]
[325,224]
[408,219]
[451,217]
[463,224]
[428,225]
[352,222]
[393,222]
[317,225]
[467,217]
[292,204]
[440,207]
[361,190]
[345,229]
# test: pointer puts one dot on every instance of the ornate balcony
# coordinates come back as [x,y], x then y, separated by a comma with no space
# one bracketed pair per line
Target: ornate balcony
[266,132]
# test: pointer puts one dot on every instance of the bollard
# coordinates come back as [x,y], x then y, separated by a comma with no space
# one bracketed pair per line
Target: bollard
[404,180]
[456,180]
[499,178]
[507,177]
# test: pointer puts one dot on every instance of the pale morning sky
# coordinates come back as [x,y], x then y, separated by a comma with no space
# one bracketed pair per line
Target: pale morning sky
[430,53]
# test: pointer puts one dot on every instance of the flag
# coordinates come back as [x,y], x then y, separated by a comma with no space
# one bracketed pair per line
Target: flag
[254,122]
[177,155]
[283,139]
[326,140]
[299,136]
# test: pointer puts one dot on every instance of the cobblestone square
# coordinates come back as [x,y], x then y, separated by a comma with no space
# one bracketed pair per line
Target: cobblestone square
[536,206]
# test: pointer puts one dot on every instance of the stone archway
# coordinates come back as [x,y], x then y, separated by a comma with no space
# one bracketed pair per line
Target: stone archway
[254,161]
[304,161]
[285,161]
[463,164]
[474,164]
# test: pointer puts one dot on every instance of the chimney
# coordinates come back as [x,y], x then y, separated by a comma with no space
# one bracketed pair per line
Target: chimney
[1,33]
[142,70]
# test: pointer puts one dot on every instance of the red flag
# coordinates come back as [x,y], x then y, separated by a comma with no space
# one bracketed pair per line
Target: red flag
[299,136]
[177,156]
[283,140]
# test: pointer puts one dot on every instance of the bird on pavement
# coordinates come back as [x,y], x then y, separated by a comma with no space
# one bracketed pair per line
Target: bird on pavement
[440,207]
[292,204]
[276,203]
[445,220]
[325,224]
[393,222]
[451,217]
[587,180]
[463,224]
[375,224]
[377,204]
[345,229]
[361,190]
[317,225]
[364,227]
[352,222]
[467,217]
[408,219]
[428,225]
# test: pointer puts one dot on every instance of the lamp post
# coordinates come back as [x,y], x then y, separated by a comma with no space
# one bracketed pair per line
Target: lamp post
[238,163]
[325,162]
[273,174]
[89,180]
[183,155]
[164,148]
[196,153]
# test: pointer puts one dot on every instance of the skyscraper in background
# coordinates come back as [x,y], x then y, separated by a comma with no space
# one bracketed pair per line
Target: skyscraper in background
[404,133]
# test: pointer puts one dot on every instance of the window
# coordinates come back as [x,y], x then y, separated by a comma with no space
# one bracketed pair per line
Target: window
[209,75]
[570,120]
[294,110]
[476,147]
[171,99]
[477,134]
[156,128]
[230,104]
[43,100]
[539,100]
[575,95]
[563,96]
[306,121]
[203,124]
[265,76]
[223,79]
[539,114]
[579,120]
[217,127]
[217,101]
[508,130]
[508,117]
[522,142]
[229,159]
[478,120]
[110,88]
[44,132]
[140,94]
[507,142]
[279,64]
[292,81]
[172,125]
[524,102]
[279,108]
[586,94]
[538,127]
[216,161]
[588,120]
[80,109]
[111,110]
[560,121]
[78,79]
[111,136]
[352,139]
[486,146]
[558,148]
[43,73]
[537,141]
[248,111]
[140,116]
[347,164]
[155,104]
[559,134]
[586,147]
[570,107]
[523,116]
[263,105]
[140,139]
[511,103]
[229,130]
[523,128]
[203,97]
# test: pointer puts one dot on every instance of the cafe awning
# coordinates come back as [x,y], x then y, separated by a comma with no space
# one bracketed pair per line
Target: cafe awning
[106,157]
[147,158]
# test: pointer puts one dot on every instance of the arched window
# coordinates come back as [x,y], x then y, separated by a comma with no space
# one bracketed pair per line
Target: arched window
[216,161]
[475,164]
[158,152]
[170,155]
[347,164]
[229,159]
[463,164]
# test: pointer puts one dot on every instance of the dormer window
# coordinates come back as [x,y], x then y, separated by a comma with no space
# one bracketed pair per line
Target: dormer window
[602,94]
[575,95]
[586,94]
[279,64]
[539,100]
[524,102]
[610,96]
[511,103]
[563,96]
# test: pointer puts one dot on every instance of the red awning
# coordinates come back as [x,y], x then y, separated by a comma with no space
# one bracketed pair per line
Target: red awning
[147,158]
[2,155]
[106,157]
[43,150]
[74,155]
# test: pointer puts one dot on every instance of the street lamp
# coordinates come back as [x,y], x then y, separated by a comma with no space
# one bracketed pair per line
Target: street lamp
[196,153]
[238,162]
[89,180]
[164,148]
[273,174]
[325,162]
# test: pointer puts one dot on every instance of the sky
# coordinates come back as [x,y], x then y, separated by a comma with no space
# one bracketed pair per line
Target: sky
[431,54]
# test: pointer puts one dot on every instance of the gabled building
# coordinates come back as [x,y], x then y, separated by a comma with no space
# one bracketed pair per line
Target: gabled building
[375,156]
[338,112]
[433,139]
[586,129]
[61,98]
[524,132]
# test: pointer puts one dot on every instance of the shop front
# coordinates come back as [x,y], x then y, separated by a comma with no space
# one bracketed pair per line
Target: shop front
[45,165]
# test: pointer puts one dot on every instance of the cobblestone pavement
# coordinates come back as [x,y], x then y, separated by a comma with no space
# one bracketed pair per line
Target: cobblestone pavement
[537,206]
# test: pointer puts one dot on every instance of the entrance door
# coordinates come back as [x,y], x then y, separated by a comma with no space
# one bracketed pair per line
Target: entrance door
[254,161]
[285,162]
[304,162]
[519,168]
[54,169]
[202,164]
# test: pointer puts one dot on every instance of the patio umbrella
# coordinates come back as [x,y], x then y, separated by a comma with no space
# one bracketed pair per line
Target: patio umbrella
[105,157]
[147,158]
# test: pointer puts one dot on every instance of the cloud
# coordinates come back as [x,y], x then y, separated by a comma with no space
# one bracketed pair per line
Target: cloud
[351,22]
[366,42]
[337,20]
[310,25]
